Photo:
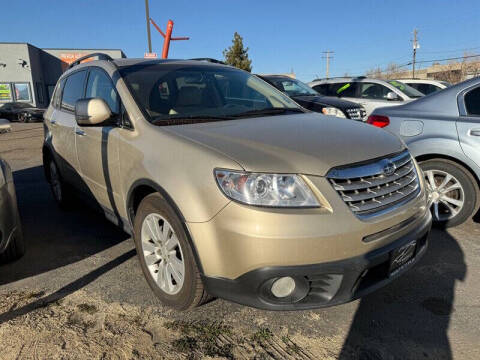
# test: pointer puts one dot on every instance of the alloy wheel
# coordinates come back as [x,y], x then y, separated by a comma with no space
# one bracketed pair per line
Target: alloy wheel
[163,254]
[448,196]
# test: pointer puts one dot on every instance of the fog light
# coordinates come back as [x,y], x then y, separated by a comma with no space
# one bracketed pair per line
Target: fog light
[283,287]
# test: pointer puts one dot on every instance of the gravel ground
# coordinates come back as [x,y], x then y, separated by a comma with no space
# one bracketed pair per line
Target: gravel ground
[79,294]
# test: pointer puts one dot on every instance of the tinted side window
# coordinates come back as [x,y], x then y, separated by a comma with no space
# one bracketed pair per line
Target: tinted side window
[321,89]
[73,90]
[428,88]
[472,102]
[373,91]
[57,95]
[343,89]
[100,86]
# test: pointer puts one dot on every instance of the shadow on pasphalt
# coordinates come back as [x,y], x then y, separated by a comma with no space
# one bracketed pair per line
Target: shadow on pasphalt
[409,319]
[55,238]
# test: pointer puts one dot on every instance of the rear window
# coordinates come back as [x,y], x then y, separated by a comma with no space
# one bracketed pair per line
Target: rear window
[343,89]
[73,90]
[472,102]
[406,89]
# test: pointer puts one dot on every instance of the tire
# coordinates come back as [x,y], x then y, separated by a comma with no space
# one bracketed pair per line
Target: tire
[159,254]
[462,198]
[15,249]
[60,190]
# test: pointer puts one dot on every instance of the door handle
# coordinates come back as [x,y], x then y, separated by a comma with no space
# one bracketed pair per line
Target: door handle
[475,132]
[53,122]
[80,132]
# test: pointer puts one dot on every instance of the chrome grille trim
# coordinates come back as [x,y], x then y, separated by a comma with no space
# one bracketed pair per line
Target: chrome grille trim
[356,113]
[367,190]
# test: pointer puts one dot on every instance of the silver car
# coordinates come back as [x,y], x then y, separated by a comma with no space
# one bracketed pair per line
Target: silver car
[368,92]
[442,131]
[12,245]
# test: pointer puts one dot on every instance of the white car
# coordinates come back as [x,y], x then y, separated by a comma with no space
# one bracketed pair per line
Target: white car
[426,86]
[370,93]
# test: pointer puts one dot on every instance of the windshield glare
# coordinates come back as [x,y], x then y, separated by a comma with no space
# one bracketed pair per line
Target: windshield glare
[292,87]
[179,92]
[406,89]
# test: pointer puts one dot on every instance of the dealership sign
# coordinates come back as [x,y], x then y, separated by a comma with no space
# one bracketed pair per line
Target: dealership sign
[5,92]
[150,55]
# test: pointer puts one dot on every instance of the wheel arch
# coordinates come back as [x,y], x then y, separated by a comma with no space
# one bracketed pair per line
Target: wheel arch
[426,157]
[144,187]
[47,155]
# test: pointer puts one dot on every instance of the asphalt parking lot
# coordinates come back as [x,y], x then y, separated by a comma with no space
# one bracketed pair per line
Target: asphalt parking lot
[79,293]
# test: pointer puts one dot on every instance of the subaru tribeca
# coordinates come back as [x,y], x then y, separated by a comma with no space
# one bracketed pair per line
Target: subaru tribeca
[232,190]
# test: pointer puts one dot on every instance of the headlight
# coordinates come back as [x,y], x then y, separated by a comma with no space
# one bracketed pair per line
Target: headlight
[274,190]
[333,111]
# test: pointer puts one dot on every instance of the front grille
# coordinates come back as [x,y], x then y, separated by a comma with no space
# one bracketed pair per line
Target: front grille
[356,113]
[324,286]
[370,188]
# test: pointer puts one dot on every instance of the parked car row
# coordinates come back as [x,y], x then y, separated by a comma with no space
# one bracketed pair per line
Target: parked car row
[370,93]
[312,100]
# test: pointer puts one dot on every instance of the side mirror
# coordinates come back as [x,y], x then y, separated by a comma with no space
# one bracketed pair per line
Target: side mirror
[93,111]
[391,96]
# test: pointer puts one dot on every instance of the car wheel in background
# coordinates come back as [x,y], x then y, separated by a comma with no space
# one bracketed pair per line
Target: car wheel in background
[165,255]
[60,190]
[15,249]
[453,189]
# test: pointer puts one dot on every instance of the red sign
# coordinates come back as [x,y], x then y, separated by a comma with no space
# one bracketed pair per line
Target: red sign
[150,55]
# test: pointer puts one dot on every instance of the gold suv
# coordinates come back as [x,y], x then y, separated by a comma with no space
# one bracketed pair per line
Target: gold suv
[231,189]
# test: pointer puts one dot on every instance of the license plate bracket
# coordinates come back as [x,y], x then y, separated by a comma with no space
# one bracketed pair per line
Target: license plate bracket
[402,257]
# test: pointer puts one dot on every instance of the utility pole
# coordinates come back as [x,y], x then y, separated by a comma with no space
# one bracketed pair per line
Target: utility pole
[415,47]
[147,14]
[328,56]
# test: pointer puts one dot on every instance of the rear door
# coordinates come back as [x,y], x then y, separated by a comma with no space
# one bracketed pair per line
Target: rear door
[373,95]
[63,126]
[468,124]
[97,146]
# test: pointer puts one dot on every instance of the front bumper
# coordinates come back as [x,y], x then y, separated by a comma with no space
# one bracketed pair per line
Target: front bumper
[324,284]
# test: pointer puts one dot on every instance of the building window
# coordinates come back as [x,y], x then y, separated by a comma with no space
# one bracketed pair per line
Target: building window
[5,92]
[22,92]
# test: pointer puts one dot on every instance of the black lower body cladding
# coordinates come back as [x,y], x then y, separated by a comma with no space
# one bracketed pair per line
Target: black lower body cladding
[326,284]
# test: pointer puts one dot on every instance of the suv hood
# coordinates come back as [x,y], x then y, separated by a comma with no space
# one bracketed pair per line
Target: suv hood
[301,143]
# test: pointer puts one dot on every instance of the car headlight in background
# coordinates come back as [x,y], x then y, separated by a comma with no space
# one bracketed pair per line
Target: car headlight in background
[274,190]
[333,111]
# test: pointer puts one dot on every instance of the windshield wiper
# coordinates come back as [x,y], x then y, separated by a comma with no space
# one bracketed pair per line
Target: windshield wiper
[188,119]
[268,111]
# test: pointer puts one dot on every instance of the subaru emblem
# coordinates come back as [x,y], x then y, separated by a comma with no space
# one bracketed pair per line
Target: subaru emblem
[389,168]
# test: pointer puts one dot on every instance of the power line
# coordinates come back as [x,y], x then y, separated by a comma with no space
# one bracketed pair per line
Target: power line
[449,51]
[447,59]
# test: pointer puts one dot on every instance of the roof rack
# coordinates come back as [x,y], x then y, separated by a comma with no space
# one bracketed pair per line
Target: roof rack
[215,61]
[101,56]
[341,77]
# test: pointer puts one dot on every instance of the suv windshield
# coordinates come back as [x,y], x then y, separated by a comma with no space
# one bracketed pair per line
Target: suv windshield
[406,89]
[174,94]
[292,87]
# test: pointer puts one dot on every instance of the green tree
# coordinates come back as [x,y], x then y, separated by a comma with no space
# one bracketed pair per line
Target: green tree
[237,55]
